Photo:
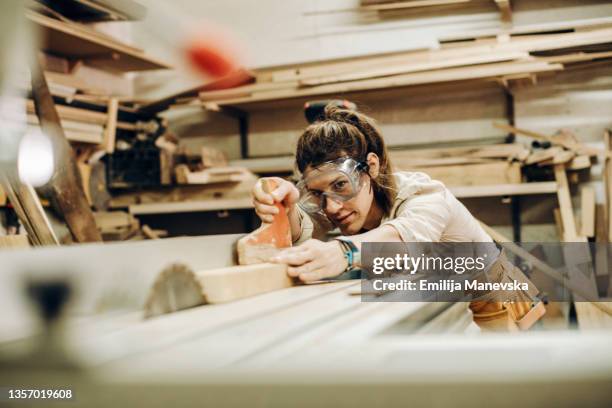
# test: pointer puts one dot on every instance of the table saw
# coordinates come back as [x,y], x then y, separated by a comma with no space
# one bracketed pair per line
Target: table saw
[308,345]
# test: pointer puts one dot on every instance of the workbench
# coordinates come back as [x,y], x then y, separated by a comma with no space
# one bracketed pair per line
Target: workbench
[308,345]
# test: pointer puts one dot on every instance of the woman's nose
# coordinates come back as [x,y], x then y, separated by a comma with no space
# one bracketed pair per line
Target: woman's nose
[332,206]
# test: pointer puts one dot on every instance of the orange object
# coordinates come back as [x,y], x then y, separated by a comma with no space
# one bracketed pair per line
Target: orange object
[211,58]
[266,241]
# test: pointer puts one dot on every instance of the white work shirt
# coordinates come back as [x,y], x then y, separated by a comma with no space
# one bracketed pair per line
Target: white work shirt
[424,210]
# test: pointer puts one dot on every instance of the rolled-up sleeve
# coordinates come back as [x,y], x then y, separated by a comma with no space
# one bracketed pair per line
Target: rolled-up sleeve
[422,218]
[306,227]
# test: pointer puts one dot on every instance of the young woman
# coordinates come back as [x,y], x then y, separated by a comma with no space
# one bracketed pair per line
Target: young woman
[348,182]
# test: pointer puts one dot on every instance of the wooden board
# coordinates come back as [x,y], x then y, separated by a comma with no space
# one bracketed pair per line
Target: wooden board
[110,131]
[178,287]
[587,208]
[14,242]
[404,80]
[27,205]
[500,190]
[82,115]
[500,172]
[570,233]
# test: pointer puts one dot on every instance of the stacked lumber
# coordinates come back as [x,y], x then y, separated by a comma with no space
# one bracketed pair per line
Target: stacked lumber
[116,225]
[212,175]
[210,166]
[504,59]
[122,226]
[466,166]
[186,198]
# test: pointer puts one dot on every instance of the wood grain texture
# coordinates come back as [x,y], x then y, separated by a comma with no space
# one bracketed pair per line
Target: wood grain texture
[178,287]
[65,187]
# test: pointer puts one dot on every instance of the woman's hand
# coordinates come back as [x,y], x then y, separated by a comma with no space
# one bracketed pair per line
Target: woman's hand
[313,260]
[285,193]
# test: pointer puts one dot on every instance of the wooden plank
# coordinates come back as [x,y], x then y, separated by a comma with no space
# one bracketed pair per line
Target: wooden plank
[192,206]
[500,190]
[27,205]
[539,42]
[82,115]
[211,175]
[578,148]
[408,67]
[591,317]
[178,287]
[446,75]
[14,242]
[77,41]
[400,5]
[499,172]
[570,233]
[587,208]
[110,130]
[65,188]
[505,10]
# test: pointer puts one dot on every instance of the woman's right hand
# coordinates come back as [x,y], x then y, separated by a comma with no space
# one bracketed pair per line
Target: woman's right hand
[285,193]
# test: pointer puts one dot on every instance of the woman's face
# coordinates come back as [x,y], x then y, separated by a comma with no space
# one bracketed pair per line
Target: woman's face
[350,215]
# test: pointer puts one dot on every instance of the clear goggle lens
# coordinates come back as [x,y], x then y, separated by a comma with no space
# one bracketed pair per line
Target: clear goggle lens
[338,181]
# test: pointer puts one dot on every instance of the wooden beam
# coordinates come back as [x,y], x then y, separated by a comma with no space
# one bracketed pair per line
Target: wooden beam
[408,67]
[505,10]
[65,187]
[570,233]
[82,115]
[577,147]
[400,5]
[178,287]
[417,78]
[587,208]
[14,242]
[27,205]
[110,130]
[192,206]
[500,190]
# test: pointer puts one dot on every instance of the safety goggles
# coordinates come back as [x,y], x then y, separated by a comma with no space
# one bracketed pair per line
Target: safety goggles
[338,180]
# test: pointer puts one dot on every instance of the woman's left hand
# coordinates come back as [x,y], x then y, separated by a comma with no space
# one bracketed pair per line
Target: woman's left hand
[313,260]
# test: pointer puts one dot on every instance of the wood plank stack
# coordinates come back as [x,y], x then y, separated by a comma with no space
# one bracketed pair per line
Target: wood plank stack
[503,59]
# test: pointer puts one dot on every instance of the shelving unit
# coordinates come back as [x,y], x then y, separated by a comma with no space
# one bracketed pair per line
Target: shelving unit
[76,41]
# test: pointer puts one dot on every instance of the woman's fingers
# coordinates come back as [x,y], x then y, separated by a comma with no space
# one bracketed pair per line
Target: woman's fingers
[295,256]
[307,272]
[286,192]
[262,196]
[312,276]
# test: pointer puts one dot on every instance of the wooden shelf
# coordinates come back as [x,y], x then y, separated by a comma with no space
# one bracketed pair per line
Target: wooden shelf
[191,206]
[497,190]
[77,41]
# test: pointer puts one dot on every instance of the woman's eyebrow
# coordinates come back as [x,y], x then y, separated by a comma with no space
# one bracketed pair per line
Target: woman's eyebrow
[335,179]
